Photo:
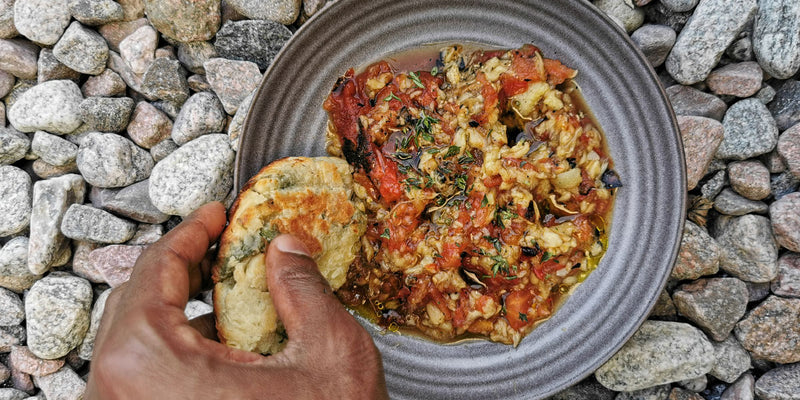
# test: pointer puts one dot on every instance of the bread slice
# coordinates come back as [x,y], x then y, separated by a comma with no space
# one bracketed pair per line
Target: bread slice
[310,198]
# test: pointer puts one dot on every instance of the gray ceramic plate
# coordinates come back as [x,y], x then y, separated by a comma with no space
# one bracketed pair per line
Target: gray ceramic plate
[287,119]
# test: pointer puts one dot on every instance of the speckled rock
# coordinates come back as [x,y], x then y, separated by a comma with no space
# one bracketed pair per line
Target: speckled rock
[749,178]
[46,170]
[785,215]
[53,149]
[749,131]
[659,352]
[115,32]
[14,272]
[148,126]
[82,265]
[740,80]
[201,114]
[655,41]
[146,234]
[15,200]
[6,82]
[132,9]
[628,17]
[701,137]
[115,262]
[236,125]
[683,394]
[185,21]
[283,11]
[82,49]
[783,184]
[664,308]
[13,394]
[698,255]
[57,311]
[729,202]
[13,146]
[687,100]
[781,383]
[770,330]
[132,202]
[193,55]
[64,384]
[255,41]
[110,160]
[87,346]
[232,81]
[11,336]
[787,284]
[25,361]
[748,250]
[161,150]
[712,28]
[42,21]
[742,389]
[165,80]
[715,304]
[52,106]
[789,149]
[139,49]
[775,40]
[51,198]
[95,12]
[194,174]
[659,392]
[766,94]
[50,69]
[731,360]
[786,106]
[198,83]
[107,84]
[106,114]
[773,161]
[7,28]
[13,312]
[91,224]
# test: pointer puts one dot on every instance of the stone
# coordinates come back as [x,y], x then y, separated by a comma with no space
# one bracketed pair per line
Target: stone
[12,309]
[170,108]
[712,28]
[786,105]
[659,392]
[757,291]
[64,384]
[185,21]
[82,265]
[732,360]
[198,83]
[53,149]
[7,28]
[681,394]
[51,198]
[255,41]
[82,49]
[19,57]
[107,84]
[148,125]
[131,202]
[6,82]
[729,202]
[741,50]
[22,381]
[766,94]
[742,389]
[87,346]
[201,114]
[658,13]
[50,69]
[12,394]
[701,137]
[46,170]
[139,49]
[740,79]
[748,249]
[146,234]
[95,12]
[86,223]
[659,352]
[57,311]
[282,11]
[192,55]
[15,200]
[13,146]
[106,114]
[11,336]
[698,255]
[110,160]
[25,361]
[787,284]
[775,40]
[785,216]
[789,149]
[687,100]
[781,383]
[236,125]
[14,272]
[196,173]
[52,106]
[586,389]
[196,308]
[680,5]
[165,80]
[664,308]
[749,131]
[232,81]
[115,262]
[783,184]
[749,178]
[166,52]
[629,18]
[161,150]
[773,161]
[115,32]
[118,65]
[132,9]
[42,21]
[655,41]
[715,304]
[310,7]
[770,330]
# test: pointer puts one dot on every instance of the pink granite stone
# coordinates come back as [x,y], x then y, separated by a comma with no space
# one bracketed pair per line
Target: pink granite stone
[25,361]
[115,262]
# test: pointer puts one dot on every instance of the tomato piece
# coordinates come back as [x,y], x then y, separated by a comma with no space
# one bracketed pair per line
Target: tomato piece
[451,256]
[517,304]
[460,315]
[557,73]
[490,99]
[493,181]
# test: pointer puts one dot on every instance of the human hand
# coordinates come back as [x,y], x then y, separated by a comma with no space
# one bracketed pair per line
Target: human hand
[147,349]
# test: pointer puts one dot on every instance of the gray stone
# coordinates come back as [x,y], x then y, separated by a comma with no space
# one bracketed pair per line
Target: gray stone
[749,178]
[659,392]
[310,7]
[742,389]
[146,234]
[730,203]
[118,65]
[107,84]
[82,49]
[87,346]
[783,184]
[766,94]
[13,146]
[749,131]
[658,13]
[139,49]
[46,170]
[14,272]
[715,304]
[773,161]
[110,160]
[149,126]
[165,80]
[237,123]
[201,114]
[11,336]
[283,11]
[194,174]
[680,5]
[106,114]
[711,29]
[115,262]
[12,394]
[64,384]
[741,49]
[57,310]
[732,360]
[13,312]
[52,106]
[51,198]
[701,137]
[170,108]
[787,284]
[196,308]
[95,12]
[161,150]
[698,255]
[7,28]
[185,21]
[694,385]
[740,79]
[775,40]
[786,106]
[748,249]
[6,82]
[785,215]
[18,57]
[193,55]
[659,352]
[757,291]
[15,200]
[687,100]
[132,202]
[587,389]
[53,149]
[255,41]
[23,360]
[655,41]
[86,223]
[770,330]
[232,81]
[664,308]
[681,394]
[781,383]
[789,149]
[115,32]
[198,83]
[629,18]
[42,21]
[51,69]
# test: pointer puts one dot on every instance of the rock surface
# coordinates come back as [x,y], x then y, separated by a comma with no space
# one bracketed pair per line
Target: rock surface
[115,262]
[52,106]
[184,21]
[701,137]
[789,149]
[740,80]
[732,360]
[201,114]
[51,198]
[750,179]
[131,202]
[729,202]
[787,284]
[775,41]
[148,126]
[106,114]
[57,310]
[232,81]
[53,149]
[110,160]
[687,100]
[750,131]
[15,200]
[785,214]
[64,384]
[698,255]
[748,249]
[82,50]
[255,41]
[14,272]
[13,146]
[715,304]
[770,330]
[89,224]
[96,12]
[283,11]
[87,346]
[42,21]
[780,383]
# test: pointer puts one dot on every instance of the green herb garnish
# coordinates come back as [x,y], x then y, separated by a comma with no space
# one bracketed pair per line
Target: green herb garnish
[391,96]
[415,78]
[386,234]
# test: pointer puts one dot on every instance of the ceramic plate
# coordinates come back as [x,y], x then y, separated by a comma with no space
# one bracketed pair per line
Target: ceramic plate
[287,119]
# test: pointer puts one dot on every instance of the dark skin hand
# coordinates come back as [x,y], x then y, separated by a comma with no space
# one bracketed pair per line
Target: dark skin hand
[147,349]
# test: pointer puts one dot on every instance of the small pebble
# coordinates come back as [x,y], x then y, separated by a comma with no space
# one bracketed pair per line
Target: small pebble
[11,336]
[95,12]
[146,234]
[740,80]
[775,41]
[13,146]
[687,100]
[115,32]
[201,114]
[748,249]
[12,394]
[749,178]
[107,84]
[659,392]
[82,49]
[185,21]
[131,201]
[106,114]
[257,41]
[232,81]
[13,311]
[110,160]
[732,360]
[193,54]
[25,361]
[741,50]
[780,383]
[51,69]
[198,83]
[57,311]
[770,330]
[15,200]
[64,384]
[87,346]
[701,137]
[132,9]
[282,11]
[773,161]
[14,273]
[162,149]
[789,149]
[196,308]
[742,389]
[664,308]
[51,198]
[139,48]
[729,202]
[680,5]
[787,284]
[149,126]
[115,262]
[82,265]
[785,215]
[783,184]
[766,94]
[698,255]
[786,105]
[6,82]
[655,41]
[41,21]
[629,18]
[52,106]
[715,304]
[165,79]
[749,131]
[46,170]
[7,28]
[237,123]
[52,149]
[86,223]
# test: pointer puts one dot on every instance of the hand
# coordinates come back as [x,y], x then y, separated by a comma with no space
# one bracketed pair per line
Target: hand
[147,349]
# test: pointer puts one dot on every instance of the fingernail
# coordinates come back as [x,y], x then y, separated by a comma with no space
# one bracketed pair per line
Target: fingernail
[289,244]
